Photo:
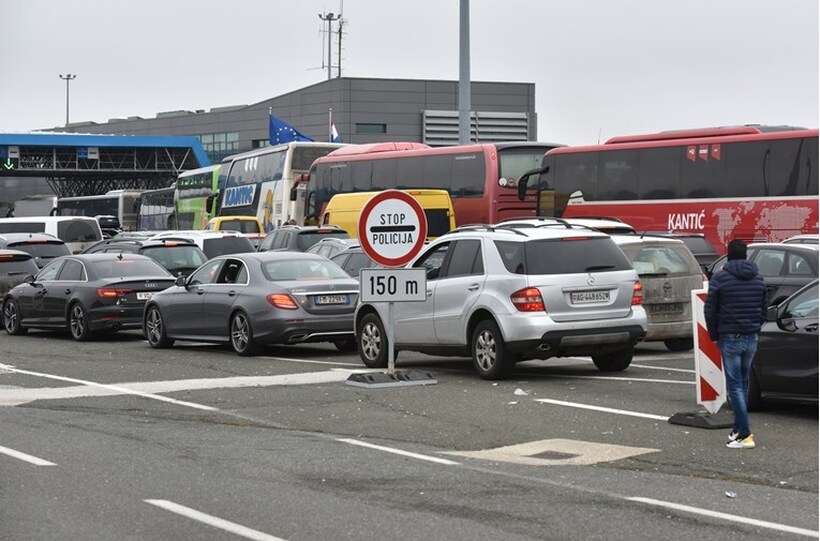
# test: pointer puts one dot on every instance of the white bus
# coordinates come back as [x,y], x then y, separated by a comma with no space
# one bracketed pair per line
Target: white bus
[260,182]
[119,203]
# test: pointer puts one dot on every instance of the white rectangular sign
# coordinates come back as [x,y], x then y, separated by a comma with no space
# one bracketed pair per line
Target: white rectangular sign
[393,285]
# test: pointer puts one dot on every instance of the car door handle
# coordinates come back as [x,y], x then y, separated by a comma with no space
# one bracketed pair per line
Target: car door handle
[473,287]
[68,292]
[232,293]
[810,328]
[200,290]
[429,292]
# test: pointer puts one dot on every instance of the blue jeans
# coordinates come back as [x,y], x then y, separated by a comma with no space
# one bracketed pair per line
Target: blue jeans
[737,351]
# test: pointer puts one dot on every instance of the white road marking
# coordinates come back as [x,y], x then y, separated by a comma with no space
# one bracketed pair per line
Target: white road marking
[26,458]
[686,370]
[726,516]
[557,452]
[309,361]
[211,520]
[600,408]
[15,397]
[399,452]
[611,378]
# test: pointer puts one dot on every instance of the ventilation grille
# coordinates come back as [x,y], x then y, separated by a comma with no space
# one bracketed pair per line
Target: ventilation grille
[440,128]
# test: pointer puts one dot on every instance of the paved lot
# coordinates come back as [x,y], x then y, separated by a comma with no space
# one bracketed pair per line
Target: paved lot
[559,431]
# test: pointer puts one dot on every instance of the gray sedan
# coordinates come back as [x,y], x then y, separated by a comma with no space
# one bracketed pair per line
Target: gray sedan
[255,299]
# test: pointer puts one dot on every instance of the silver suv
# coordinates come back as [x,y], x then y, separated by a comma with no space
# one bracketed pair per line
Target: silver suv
[502,295]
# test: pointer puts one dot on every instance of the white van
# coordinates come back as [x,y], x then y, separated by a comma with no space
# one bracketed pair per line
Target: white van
[77,232]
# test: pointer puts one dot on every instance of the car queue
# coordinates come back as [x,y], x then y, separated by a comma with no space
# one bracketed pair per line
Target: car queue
[497,294]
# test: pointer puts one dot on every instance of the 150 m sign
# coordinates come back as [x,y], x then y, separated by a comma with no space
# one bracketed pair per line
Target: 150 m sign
[393,285]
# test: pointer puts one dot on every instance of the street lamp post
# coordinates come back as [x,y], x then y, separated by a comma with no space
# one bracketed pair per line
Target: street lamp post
[67,78]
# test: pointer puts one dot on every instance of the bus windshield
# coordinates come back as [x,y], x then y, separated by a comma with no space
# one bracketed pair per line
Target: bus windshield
[195,199]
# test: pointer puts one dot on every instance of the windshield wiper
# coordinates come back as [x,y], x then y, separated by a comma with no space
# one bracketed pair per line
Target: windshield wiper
[598,268]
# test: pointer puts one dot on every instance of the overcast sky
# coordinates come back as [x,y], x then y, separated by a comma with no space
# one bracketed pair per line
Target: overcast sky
[600,67]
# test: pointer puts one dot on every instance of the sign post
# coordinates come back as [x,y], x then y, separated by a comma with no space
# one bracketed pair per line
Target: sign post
[392,229]
[709,378]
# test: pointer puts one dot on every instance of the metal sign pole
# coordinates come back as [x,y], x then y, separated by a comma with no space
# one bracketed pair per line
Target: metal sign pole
[391,322]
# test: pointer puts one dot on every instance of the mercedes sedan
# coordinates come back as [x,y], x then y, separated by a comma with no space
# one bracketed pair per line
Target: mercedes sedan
[85,294]
[254,299]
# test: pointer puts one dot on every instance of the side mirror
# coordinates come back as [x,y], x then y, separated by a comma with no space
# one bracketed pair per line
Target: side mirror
[524,178]
[293,194]
[29,279]
[181,281]
[432,273]
[771,313]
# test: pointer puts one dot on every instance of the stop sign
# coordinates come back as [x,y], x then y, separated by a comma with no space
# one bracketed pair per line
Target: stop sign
[392,228]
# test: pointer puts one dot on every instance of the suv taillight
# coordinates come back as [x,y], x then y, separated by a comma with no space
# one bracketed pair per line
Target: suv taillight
[637,293]
[282,300]
[528,300]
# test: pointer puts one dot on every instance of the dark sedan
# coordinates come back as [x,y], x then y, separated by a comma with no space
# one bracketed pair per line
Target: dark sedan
[255,299]
[785,267]
[85,294]
[785,366]
[179,257]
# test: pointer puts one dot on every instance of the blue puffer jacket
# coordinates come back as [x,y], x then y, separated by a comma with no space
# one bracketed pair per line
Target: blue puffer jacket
[736,302]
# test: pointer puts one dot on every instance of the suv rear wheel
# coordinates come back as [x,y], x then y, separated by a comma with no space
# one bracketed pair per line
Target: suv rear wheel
[491,358]
[615,361]
[679,344]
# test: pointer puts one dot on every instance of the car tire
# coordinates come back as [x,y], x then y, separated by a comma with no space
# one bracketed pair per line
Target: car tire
[349,345]
[78,323]
[241,335]
[371,341]
[679,344]
[754,402]
[615,361]
[11,318]
[155,329]
[491,358]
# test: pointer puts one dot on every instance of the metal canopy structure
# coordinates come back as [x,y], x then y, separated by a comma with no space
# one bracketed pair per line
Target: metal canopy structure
[83,164]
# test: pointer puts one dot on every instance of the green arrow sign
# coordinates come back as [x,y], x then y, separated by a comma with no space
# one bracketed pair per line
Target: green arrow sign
[8,165]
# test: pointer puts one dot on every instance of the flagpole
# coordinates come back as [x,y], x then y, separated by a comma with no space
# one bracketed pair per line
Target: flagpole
[330,124]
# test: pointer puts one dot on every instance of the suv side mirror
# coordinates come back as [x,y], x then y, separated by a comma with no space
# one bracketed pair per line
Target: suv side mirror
[181,281]
[771,313]
[29,279]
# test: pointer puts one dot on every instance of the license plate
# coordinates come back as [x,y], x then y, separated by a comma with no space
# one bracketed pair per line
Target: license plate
[669,308]
[583,297]
[143,295]
[332,299]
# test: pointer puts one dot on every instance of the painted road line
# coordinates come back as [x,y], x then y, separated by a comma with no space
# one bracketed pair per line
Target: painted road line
[726,516]
[610,378]
[399,452]
[599,408]
[26,458]
[686,370]
[211,520]
[309,361]
[149,389]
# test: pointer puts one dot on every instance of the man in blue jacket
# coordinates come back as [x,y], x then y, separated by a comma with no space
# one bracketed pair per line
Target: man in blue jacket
[735,309]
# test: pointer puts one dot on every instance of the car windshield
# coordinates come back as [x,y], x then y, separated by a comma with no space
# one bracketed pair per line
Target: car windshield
[227,245]
[175,258]
[301,269]
[43,249]
[116,268]
[306,240]
[562,256]
[649,259]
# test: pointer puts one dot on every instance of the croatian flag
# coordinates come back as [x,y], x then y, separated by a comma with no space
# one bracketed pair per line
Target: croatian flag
[282,132]
[334,135]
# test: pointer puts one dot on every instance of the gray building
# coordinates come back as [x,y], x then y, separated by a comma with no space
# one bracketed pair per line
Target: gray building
[363,111]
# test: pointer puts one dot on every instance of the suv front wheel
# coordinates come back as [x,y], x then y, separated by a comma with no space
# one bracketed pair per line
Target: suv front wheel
[371,341]
[491,358]
[615,361]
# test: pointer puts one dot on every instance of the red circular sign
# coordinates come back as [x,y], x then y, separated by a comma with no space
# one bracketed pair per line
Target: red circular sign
[392,228]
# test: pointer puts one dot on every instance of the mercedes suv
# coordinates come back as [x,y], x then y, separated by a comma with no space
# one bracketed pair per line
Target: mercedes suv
[503,294]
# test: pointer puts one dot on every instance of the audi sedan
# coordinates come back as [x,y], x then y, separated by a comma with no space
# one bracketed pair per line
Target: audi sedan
[255,299]
[85,294]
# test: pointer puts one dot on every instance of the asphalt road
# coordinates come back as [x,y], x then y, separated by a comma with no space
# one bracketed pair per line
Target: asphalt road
[113,440]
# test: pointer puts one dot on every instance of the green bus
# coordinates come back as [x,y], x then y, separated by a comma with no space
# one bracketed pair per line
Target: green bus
[196,197]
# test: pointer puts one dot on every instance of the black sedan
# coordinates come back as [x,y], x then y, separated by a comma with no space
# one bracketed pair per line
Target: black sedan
[85,294]
[786,364]
[257,298]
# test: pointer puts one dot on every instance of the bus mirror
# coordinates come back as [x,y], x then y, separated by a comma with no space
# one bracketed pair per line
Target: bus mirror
[293,194]
[524,178]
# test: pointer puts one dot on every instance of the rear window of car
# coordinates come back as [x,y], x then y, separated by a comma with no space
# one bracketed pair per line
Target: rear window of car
[17,265]
[22,227]
[306,240]
[227,245]
[243,226]
[301,269]
[42,249]
[175,258]
[562,256]
[79,231]
[661,259]
[699,245]
[116,268]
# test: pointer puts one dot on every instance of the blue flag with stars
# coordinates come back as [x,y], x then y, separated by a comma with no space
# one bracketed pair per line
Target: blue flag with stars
[282,132]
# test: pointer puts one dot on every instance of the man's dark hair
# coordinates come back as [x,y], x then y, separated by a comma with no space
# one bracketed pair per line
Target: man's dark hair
[737,250]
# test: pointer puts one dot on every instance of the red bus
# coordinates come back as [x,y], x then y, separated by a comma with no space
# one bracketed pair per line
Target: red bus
[480,178]
[757,183]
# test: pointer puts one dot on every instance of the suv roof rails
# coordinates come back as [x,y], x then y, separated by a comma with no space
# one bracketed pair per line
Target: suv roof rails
[610,218]
[555,223]
[484,227]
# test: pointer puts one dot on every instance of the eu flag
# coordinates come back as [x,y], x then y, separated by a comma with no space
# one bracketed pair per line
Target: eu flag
[282,132]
